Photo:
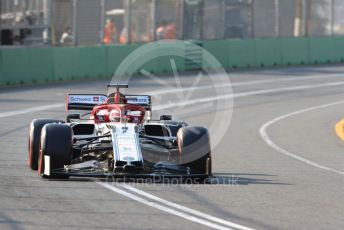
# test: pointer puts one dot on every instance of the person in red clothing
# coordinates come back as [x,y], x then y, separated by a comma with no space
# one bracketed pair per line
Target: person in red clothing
[170,31]
[110,32]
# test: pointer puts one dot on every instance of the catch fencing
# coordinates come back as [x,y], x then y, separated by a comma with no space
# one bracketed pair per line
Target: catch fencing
[107,22]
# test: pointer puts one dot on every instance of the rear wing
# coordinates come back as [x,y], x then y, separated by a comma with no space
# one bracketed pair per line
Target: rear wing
[88,101]
[84,101]
[143,100]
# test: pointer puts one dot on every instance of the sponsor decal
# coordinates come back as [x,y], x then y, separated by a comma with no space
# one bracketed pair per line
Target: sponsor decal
[137,99]
[87,99]
[126,143]
[127,147]
[80,99]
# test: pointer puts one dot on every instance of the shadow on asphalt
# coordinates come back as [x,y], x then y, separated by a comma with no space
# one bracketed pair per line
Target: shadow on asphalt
[244,179]
[230,179]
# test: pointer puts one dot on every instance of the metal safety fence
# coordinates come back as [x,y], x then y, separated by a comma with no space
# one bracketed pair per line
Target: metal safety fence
[105,22]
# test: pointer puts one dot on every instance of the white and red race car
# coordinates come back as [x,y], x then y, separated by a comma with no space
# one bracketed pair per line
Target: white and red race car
[117,138]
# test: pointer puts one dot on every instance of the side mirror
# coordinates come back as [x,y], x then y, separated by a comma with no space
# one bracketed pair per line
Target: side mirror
[73,116]
[166,117]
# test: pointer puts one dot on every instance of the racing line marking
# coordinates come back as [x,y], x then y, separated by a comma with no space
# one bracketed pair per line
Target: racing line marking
[270,143]
[339,128]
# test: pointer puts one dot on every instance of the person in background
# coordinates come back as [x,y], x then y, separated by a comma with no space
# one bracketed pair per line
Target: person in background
[123,37]
[170,31]
[110,32]
[160,30]
[67,37]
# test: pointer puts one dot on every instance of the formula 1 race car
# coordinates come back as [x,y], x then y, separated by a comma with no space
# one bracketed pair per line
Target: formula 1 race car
[117,138]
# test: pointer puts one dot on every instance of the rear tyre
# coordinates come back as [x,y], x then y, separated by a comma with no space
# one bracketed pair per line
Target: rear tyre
[56,142]
[34,140]
[195,151]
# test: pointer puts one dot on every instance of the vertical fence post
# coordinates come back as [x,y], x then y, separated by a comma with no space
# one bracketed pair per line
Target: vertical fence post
[304,17]
[50,21]
[253,35]
[298,20]
[129,20]
[47,22]
[277,21]
[75,3]
[182,20]
[201,17]
[102,19]
[154,19]
[332,17]
[309,18]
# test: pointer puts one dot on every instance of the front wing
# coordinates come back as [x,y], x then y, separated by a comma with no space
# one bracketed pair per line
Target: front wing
[159,173]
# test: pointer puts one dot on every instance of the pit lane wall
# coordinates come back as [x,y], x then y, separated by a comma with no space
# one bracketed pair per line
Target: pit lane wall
[40,65]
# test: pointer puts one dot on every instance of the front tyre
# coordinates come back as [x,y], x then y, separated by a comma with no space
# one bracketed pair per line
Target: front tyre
[36,126]
[195,151]
[56,142]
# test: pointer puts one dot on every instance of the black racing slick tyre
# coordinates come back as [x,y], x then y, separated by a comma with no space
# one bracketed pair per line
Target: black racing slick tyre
[194,149]
[56,142]
[34,140]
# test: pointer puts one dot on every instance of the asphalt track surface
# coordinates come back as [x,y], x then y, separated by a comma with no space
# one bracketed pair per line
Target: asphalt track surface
[279,165]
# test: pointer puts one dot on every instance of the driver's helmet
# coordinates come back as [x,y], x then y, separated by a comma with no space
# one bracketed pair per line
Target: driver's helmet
[115,115]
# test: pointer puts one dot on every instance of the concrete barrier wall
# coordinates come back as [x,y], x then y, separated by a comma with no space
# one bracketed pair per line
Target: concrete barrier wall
[271,52]
[39,65]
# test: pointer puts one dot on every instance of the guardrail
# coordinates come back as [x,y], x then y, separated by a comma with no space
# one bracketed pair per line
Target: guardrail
[39,65]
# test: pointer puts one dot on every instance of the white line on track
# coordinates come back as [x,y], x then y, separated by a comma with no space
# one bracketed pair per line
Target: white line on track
[270,143]
[164,208]
[31,110]
[183,208]
[249,93]
[286,79]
